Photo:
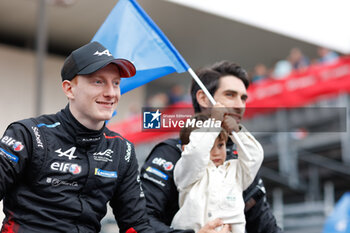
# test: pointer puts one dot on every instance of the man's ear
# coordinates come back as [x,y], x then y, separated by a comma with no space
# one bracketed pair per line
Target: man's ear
[67,88]
[202,99]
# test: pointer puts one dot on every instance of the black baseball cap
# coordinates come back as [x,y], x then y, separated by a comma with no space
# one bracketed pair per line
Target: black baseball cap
[92,57]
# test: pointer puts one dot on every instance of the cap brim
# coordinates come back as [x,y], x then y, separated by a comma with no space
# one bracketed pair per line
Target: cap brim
[126,68]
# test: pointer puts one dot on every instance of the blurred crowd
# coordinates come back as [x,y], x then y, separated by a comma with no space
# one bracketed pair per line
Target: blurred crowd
[175,95]
[295,61]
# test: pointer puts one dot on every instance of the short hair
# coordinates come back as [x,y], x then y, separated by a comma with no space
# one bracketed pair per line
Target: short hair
[186,131]
[211,75]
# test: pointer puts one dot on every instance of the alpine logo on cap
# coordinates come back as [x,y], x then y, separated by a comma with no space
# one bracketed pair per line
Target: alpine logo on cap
[106,52]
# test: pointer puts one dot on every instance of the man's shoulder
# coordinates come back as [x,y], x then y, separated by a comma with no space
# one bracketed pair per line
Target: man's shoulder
[171,142]
[159,165]
[168,150]
[46,120]
[171,146]
[112,135]
[118,140]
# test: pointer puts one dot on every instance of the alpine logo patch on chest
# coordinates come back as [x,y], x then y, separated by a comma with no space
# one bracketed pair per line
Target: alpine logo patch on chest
[68,153]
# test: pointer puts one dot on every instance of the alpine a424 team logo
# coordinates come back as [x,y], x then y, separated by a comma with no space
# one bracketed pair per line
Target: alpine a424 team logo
[66,167]
[68,153]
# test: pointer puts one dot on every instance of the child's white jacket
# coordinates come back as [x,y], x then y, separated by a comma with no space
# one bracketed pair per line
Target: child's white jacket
[207,192]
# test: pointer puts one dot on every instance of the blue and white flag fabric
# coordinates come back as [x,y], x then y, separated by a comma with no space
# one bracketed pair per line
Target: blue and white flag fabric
[339,220]
[128,32]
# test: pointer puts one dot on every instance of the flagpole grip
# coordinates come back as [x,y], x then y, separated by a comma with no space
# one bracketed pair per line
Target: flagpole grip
[213,102]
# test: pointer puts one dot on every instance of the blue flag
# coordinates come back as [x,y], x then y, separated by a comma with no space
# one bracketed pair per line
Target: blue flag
[128,32]
[339,219]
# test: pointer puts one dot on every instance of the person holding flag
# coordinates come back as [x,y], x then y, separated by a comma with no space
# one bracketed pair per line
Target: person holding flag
[227,83]
[129,32]
[59,171]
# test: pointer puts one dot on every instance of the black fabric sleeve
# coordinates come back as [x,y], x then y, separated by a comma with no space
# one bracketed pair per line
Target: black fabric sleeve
[259,218]
[160,191]
[15,151]
[128,203]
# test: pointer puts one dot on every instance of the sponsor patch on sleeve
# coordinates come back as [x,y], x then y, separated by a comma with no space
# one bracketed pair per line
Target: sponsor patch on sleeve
[127,152]
[107,174]
[14,144]
[167,165]
[157,173]
[8,155]
[146,176]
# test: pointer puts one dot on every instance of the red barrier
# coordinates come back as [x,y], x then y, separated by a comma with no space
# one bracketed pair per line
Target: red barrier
[302,88]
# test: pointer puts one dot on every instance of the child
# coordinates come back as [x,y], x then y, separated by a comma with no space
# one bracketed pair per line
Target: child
[211,187]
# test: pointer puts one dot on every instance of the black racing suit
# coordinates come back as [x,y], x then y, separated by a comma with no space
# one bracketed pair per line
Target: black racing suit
[57,176]
[162,195]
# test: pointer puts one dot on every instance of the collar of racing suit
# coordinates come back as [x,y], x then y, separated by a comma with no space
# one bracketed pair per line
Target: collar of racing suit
[82,135]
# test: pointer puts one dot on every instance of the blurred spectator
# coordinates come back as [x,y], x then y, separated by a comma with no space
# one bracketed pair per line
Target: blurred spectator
[159,100]
[176,94]
[260,73]
[326,56]
[281,69]
[298,60]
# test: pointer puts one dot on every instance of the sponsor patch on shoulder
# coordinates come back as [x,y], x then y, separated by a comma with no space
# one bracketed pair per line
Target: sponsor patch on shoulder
[157,173]
[107,174]
[13,143]
[39,143]
[8,155]
[146,176]
[167,165]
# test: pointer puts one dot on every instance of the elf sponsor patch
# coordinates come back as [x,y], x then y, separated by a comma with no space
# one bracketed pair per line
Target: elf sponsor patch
[167,165]
[13,143]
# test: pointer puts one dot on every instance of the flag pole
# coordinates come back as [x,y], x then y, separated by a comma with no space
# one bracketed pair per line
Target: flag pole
[213,102]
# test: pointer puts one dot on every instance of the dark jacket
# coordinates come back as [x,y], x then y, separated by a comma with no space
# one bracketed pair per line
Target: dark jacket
[162,195]
[57,176]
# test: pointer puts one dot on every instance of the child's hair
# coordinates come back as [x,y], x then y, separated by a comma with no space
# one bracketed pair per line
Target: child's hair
[186,131]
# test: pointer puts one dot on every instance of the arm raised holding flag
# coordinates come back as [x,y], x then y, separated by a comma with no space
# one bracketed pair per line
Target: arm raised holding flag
[227,83]
[130,33]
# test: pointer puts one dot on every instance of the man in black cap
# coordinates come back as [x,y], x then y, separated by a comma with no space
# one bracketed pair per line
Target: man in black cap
[57,172]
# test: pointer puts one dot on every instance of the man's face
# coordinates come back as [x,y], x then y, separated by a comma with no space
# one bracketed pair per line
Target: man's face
[95,96]
[218,152]
[233,95]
